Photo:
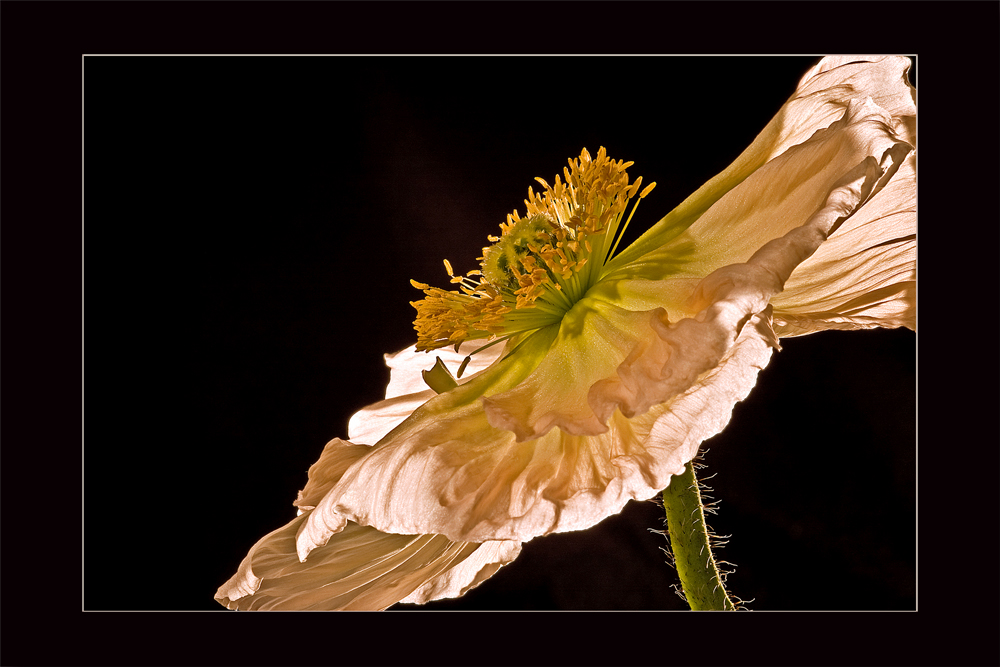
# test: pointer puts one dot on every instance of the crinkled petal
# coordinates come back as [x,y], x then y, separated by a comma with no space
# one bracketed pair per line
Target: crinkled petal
[337,456]
[593,339]
[834,81]
[373,422]
[457,473]
[439,421]
[775,199]
[821,98]
[481,564]
[360,567]
[864,275]
[783,194]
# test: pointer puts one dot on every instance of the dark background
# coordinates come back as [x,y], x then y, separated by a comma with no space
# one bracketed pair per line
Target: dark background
[268,214]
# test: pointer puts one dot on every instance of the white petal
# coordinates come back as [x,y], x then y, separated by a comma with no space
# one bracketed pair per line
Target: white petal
[460,476]
[407,390]
[822,98]
[373,422]
[594,337]
[836,80]
[786,192]
[336,457]
[406,365]
[864,275]
[479,566]
[359,569]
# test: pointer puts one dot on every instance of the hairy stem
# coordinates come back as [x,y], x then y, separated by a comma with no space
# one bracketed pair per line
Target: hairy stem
[689,541]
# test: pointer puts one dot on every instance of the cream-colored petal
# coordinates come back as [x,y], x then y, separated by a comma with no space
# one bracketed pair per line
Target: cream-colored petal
[864,275]
[405,366]
[683,352]
[377,480]
[336,457]
[407,391]
[836,80]
[372,422]
[594,337]
[822,97]
[456,475]
[480,565]
[358,569]
[778,197]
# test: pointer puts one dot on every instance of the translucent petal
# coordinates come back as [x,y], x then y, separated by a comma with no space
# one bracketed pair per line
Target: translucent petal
[405,366]
[594,337]
[822,97]
[407,391]
[360,567]
[457,474]
[464,575]
[864,275]
[778,197]
[442,421]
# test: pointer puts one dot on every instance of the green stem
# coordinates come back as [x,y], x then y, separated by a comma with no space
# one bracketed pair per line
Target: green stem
[689,541]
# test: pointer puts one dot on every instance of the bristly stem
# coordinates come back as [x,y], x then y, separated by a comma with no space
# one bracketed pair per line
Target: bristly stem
[689,540]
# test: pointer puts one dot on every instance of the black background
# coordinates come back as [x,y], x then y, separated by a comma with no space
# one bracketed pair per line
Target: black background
[275,210]
[250,229]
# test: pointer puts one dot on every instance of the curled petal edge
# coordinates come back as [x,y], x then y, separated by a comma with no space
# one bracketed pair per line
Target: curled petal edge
[360,567]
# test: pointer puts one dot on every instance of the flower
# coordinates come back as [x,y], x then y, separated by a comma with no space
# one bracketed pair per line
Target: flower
[587,377]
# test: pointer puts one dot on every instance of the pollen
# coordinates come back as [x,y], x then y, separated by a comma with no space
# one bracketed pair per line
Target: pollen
[541,264]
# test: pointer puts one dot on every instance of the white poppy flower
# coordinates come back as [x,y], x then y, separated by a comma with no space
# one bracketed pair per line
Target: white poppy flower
[594,375]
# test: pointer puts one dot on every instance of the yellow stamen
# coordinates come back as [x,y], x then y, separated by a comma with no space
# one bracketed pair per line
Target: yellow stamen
[540,265]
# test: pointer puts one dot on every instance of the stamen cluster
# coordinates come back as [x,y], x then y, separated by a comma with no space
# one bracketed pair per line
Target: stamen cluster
[540,265]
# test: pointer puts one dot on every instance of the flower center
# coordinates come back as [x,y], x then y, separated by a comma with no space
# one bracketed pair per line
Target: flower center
[540,265]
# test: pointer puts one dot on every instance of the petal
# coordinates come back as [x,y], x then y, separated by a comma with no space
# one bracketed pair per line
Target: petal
[373,422]
[407,391]
[836,80]
[360,567]
[454,474]
[479,566]
[680,355]
[336,457]
[406,365]
[778,197]
[821,98]
[594,337]
[864,275]
[445,418]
